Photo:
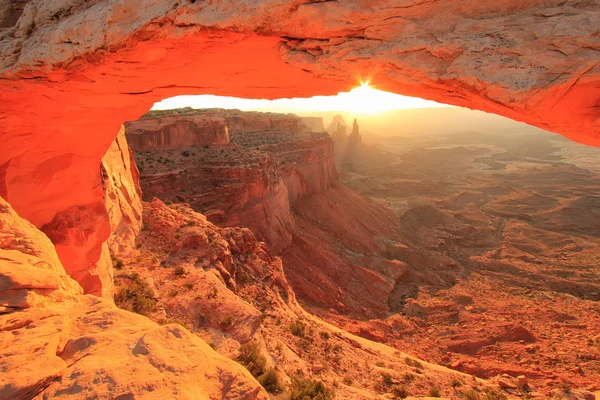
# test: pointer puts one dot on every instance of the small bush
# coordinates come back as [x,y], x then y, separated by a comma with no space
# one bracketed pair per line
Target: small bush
[347,381]
[387,379]
[309,389]
[227,322]
[270,381]
[434,392]
[413,363]
[408,378]
[117,262]
[179,271]
[298,328]
[455,383]
[185,153]
[251,358]
[400,392]
[189,285]
[191,222]
[324,335]
[137,297]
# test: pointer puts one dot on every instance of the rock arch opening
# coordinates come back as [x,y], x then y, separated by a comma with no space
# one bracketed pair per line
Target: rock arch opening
[546,77]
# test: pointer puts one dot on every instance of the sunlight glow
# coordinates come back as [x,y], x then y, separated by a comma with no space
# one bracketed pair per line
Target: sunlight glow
[363,99]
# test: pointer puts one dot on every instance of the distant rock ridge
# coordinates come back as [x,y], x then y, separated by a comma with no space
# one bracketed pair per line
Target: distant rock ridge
[355,139]
[336,125]
[350,152]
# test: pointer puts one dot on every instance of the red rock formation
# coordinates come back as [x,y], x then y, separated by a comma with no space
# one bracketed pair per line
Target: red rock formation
[149,133]
[83,234]
[123,195]
[354,139]
[52,69]
[254,185]
[337,130]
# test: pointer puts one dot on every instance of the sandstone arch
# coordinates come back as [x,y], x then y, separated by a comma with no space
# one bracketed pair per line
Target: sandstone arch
[72,71]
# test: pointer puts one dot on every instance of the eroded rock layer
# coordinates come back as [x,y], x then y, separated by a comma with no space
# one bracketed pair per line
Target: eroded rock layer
[272,160]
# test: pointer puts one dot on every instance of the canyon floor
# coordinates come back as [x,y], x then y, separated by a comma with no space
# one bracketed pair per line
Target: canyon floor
[476,253]
[514,220]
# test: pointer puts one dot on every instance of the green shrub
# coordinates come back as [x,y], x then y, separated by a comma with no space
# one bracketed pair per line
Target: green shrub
[309,389]
[117,262]
[189,285]
[455,383]
[136,296]
[270,381]
[226,322]
[413,363]
[185,153]
[251,358]
[400,392]
[179,271]
[387,379]
[434,392]
[298,328]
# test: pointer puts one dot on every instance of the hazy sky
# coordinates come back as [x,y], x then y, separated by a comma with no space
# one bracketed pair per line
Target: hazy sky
[361,100]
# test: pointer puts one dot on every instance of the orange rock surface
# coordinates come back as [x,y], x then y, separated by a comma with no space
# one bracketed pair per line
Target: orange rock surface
[60,343]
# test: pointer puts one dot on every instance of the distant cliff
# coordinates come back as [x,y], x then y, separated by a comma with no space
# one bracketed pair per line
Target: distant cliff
[171,131]
[350,152]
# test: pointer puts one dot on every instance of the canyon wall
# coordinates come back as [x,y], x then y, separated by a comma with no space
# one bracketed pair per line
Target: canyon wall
[272,160]
[85,235]
[534,61]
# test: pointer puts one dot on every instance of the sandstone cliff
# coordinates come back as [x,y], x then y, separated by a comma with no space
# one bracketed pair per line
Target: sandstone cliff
[254,182]
[150,133]
[84,234]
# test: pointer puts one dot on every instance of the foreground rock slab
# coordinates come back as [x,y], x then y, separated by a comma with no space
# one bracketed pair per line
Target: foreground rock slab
[56,342]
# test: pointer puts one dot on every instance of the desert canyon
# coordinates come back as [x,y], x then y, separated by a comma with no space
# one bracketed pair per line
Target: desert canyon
[226,254]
